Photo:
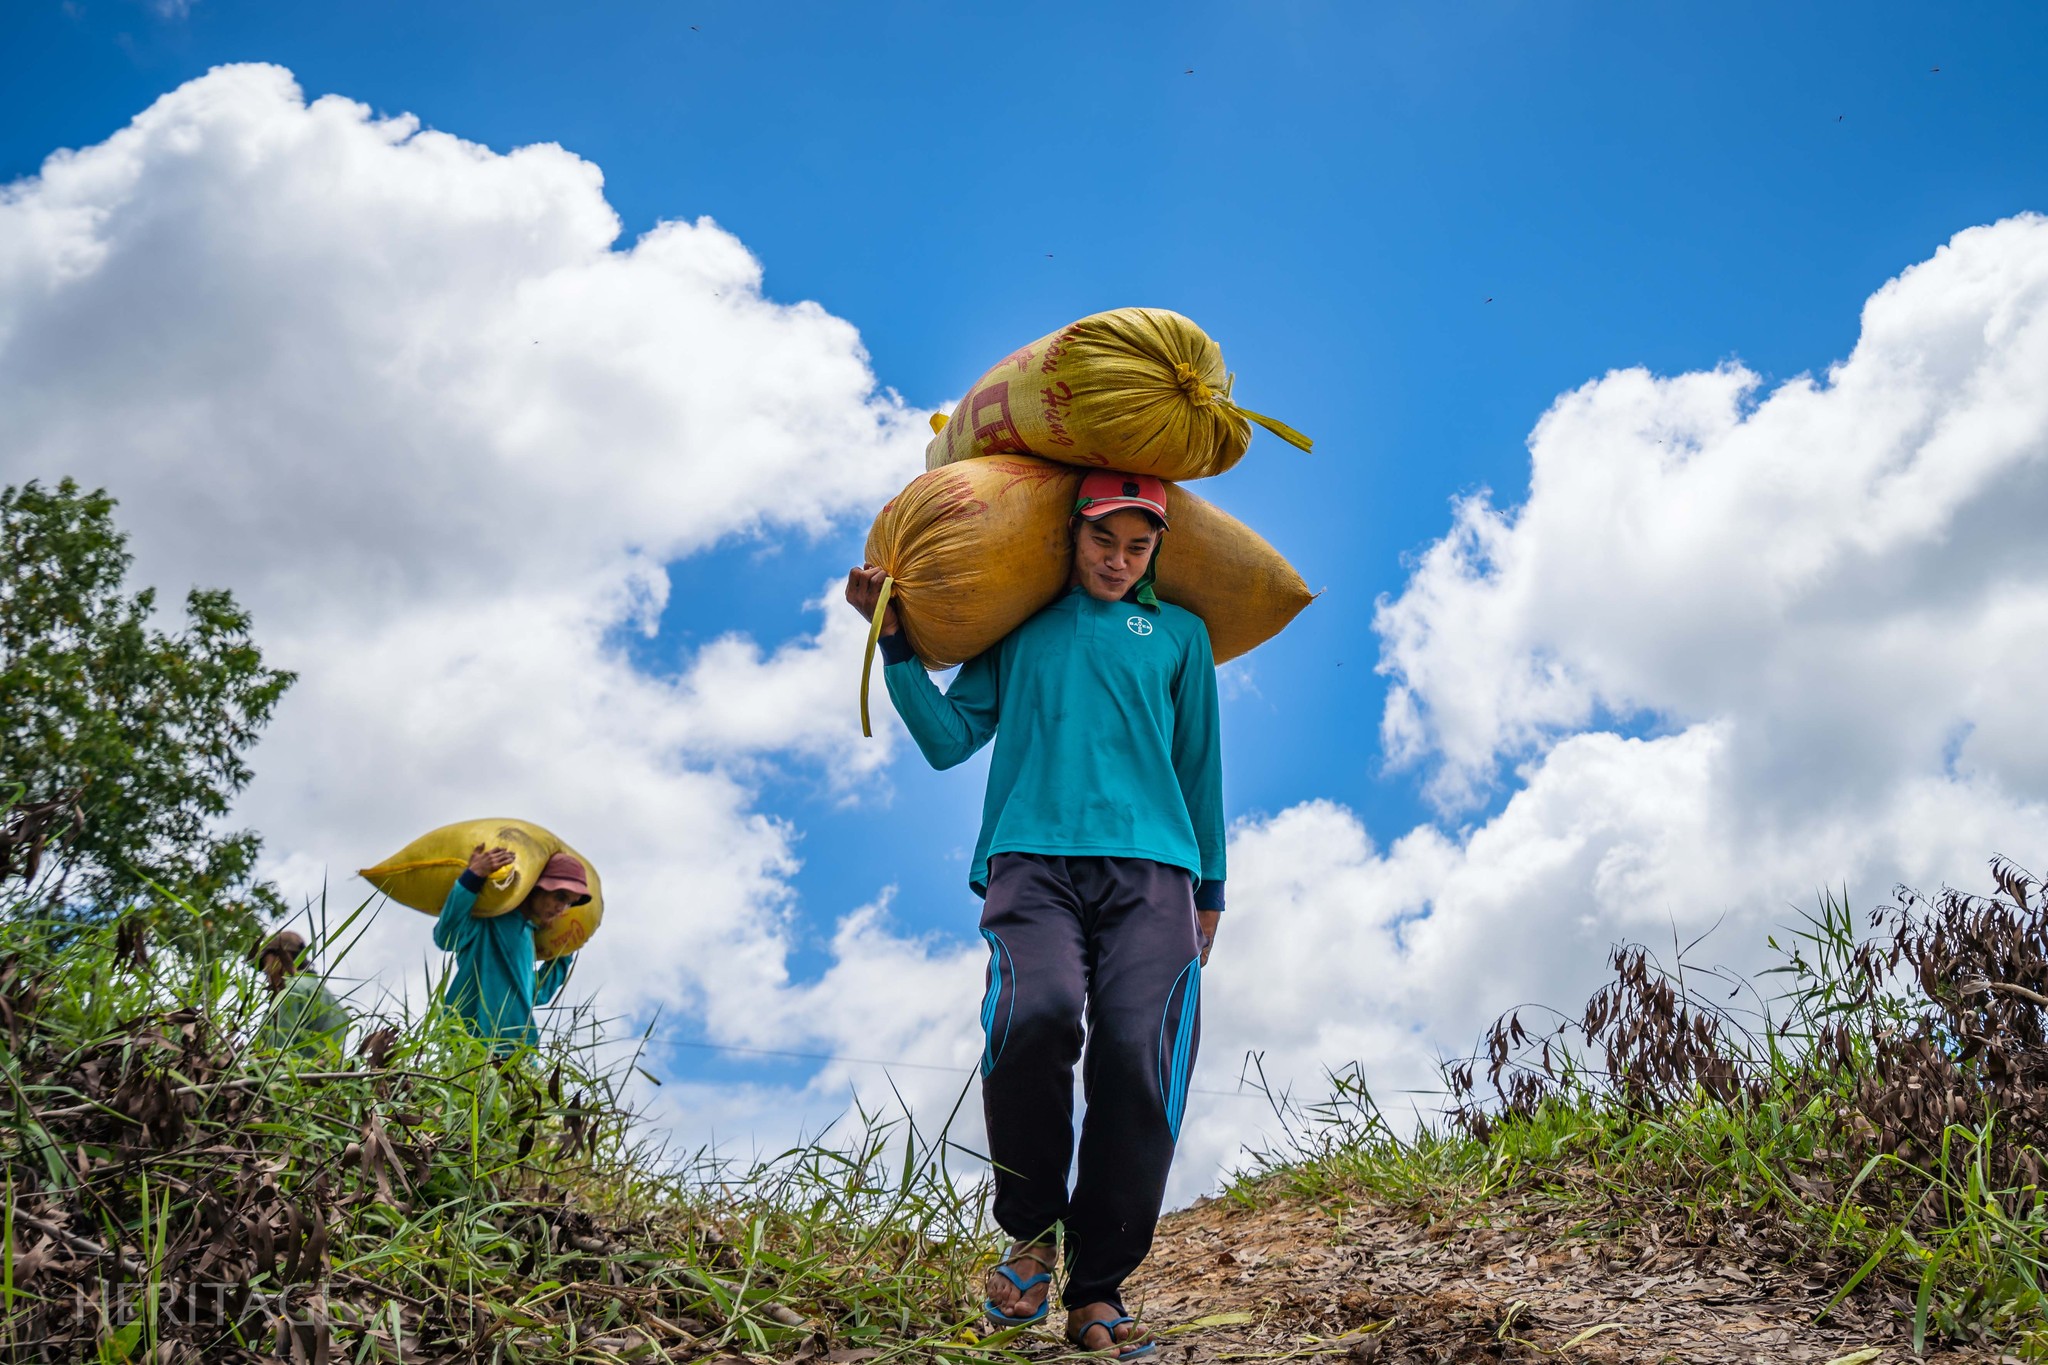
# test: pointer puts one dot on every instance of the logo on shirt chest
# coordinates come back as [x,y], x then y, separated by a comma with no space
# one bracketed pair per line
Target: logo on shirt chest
[1139,625]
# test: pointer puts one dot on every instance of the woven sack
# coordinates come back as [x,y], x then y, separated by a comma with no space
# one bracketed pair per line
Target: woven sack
[421,874]
[974,549]
[1141,390]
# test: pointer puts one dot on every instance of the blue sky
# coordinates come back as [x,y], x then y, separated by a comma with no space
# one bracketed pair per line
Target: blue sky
[1411,229]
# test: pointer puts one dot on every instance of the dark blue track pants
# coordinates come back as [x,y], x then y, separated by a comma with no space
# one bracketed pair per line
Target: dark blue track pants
[1110,942]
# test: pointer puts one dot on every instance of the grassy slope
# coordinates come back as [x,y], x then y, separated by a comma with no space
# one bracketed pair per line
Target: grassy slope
[1872,1131]
[176,1195]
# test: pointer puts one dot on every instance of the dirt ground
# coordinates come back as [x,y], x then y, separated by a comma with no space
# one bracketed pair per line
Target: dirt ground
[1231,1283]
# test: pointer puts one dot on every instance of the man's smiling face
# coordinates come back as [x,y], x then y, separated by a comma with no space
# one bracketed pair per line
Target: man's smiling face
[1111,553]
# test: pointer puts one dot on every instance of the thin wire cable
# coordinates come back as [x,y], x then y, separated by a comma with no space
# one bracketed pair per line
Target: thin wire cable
[876,1061]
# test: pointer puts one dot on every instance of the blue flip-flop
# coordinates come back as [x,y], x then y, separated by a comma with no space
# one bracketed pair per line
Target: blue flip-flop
[1023,1286]
[1110,1325]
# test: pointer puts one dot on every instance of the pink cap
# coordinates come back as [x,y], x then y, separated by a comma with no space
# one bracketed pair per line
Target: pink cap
[564,872]
[1108,491]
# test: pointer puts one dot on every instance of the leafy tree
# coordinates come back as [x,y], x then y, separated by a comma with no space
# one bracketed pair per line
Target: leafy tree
[139,733]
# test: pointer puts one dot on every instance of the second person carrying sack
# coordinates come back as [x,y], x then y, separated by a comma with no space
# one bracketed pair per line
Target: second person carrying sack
[420,874]
[1142,390]
[975,548]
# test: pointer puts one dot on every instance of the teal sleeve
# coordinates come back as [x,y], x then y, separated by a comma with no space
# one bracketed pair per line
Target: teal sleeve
[552,974]
[1198,752]
[453,925]
[948,726]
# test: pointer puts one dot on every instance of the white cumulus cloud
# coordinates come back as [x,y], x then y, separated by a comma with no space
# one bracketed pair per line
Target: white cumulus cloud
[1740,643]
[1823,561]
[417,405]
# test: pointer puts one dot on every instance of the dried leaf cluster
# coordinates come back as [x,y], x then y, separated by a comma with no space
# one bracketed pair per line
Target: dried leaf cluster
[1938,1016]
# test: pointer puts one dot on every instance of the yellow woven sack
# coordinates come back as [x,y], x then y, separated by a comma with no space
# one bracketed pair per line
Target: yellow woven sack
[973,549]
[1140,390]
[421,874]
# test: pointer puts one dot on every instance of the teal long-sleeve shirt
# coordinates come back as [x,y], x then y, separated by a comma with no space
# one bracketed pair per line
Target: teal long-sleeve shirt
[1106,734]
[496,984]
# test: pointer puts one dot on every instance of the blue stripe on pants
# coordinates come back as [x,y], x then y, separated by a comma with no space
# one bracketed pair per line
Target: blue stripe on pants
[991,1048]
[1177,1043]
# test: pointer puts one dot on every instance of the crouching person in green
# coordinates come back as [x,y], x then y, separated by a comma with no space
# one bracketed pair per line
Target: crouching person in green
[304,1018]
[496,982]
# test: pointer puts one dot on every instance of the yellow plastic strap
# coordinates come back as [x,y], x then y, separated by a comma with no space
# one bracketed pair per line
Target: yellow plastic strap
[867,663]
[501,881]
[394,869]
[1201,395]
[1274,425]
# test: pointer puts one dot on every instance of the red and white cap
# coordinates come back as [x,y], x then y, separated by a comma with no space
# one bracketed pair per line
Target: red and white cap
[564,872]
[1107,491]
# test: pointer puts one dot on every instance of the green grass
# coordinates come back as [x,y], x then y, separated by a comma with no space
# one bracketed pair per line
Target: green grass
[1948,1217]
[427,1205]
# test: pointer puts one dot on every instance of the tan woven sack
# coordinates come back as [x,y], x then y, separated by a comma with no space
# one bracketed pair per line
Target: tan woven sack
[421,874]
[974,549]
[1141,390]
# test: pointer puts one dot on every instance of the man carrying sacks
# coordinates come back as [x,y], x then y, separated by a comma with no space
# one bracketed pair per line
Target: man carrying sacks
[1101,860]
[496,985]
